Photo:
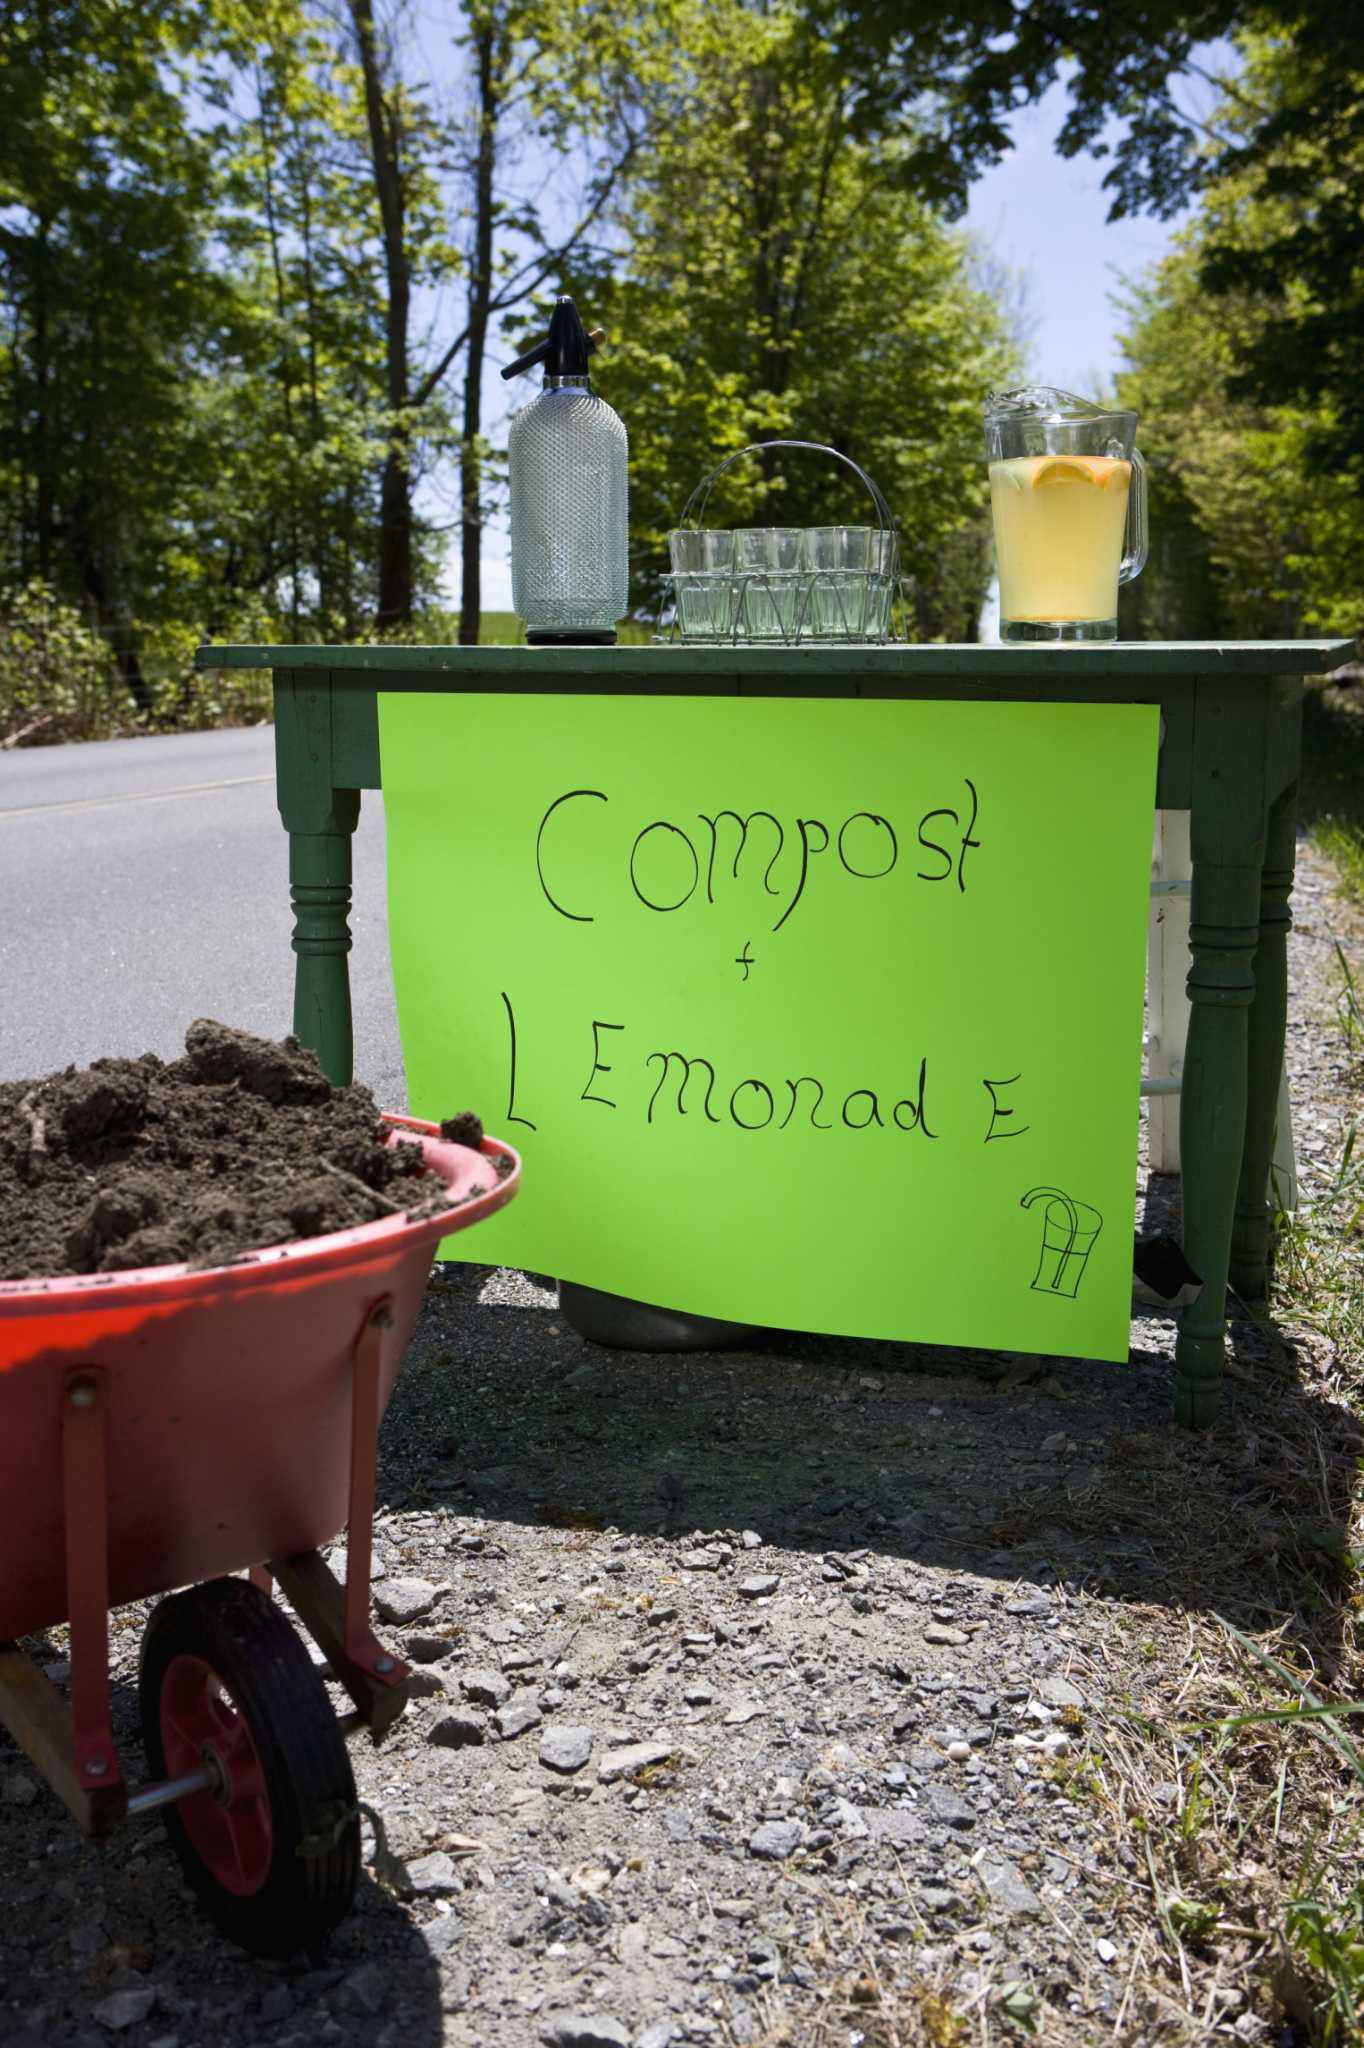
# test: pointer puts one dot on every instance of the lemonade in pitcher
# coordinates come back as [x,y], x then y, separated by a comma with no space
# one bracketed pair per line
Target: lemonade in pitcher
[1059,523]
[1068,498]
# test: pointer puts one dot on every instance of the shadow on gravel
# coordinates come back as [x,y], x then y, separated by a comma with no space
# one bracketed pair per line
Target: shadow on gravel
[1035,1472]
[86,1922]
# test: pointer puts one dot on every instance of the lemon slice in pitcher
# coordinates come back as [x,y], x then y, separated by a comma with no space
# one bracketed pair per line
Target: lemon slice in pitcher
[1062,469]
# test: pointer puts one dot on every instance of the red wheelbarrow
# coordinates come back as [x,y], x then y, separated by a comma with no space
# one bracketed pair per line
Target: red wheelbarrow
[168,1427]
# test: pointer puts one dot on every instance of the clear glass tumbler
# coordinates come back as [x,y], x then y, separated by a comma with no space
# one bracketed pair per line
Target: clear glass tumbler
[772,582]
[702,561]
[852,568]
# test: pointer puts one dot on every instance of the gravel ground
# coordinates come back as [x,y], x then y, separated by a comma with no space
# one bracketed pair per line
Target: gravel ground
[747,1681]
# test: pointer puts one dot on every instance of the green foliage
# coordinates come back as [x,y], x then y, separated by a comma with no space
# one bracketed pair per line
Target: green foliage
[57,678]
[776,282]
[970,63]
[1253,536]
[1328,1935]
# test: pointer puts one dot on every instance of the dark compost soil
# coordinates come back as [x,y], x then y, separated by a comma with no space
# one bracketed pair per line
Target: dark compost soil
[242,1143]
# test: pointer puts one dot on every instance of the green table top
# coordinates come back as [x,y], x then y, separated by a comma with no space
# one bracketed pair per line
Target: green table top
[1102,660]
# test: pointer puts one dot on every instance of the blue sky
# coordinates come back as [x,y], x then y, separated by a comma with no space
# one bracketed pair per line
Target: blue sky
[1046,216]
[1043,215]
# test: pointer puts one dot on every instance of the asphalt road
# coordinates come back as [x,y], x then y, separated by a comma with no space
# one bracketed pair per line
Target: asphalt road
[144,883]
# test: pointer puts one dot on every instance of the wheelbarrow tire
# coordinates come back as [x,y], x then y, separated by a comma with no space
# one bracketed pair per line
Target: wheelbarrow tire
[274,1855]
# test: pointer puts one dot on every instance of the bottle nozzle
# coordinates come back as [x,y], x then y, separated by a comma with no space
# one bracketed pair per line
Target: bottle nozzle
[565,349]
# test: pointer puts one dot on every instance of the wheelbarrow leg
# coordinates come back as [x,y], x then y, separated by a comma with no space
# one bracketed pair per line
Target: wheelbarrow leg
[75,1752]
[337,1618]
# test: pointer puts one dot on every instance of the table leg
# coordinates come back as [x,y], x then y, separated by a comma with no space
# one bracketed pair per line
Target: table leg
[320,821]
[1223,936]
[1250,1245]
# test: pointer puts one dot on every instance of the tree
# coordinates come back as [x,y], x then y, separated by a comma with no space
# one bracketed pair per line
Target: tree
[774,281]
[104,197]
[1269,533]
[586,87]
[968,66]
[403,139]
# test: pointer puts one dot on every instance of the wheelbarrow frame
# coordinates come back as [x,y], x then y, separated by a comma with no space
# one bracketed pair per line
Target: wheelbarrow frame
[73,1748]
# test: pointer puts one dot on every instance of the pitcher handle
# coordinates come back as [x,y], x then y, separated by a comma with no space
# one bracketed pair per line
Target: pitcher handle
[1134,540]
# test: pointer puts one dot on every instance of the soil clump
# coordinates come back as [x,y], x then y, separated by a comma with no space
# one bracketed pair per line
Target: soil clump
[241,1144]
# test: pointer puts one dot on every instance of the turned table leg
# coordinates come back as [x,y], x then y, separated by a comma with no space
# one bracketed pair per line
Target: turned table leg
[1223,936]
[320,821]
[1250,1247]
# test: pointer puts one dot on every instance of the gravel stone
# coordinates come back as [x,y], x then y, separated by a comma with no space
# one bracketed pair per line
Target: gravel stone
[1059,1692]
[432,1876]
[759,1584]
[584,2030]
[340,1564]
[565,1749]
[365,1990]
[938,1632]
[457,1729]
[404,1600]
[485,1688]
[442,1933]
[1008,1889]
[775,1840]
[518,1717]
[425,1684]
[18,1790]
[948,1807]
[631,1757]
[122,2009]
[427,1649]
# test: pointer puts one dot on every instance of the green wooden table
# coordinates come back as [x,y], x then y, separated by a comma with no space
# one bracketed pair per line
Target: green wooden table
[1230,739]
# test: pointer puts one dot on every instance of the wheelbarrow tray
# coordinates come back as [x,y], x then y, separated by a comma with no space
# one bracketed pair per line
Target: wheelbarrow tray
[229,1395]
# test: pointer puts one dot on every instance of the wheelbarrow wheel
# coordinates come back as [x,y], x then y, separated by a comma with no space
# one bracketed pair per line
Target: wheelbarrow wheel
[272,1850]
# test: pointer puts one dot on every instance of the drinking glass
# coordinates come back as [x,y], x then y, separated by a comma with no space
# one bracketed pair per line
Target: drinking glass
[702,561]
[772,582]
[1068,494]
[852,567]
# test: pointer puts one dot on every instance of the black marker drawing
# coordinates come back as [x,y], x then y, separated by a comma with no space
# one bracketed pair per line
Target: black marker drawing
[1069,1232]
[745,959]
[512,1117]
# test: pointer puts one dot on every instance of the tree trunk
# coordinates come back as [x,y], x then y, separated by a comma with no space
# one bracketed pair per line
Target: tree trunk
[489,56]
[45,508]
[395,498]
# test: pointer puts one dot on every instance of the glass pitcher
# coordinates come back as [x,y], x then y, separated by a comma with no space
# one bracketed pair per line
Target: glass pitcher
[1068,494]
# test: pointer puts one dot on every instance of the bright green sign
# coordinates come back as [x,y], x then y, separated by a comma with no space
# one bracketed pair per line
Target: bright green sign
[825,1015]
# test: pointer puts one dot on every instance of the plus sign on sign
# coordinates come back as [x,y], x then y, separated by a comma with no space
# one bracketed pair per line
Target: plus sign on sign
[817,1014]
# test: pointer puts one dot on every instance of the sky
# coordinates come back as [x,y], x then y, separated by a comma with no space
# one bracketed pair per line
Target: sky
[1043,215]
[1046,215]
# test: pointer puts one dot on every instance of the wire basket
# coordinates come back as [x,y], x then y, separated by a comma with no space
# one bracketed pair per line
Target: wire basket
[783,586]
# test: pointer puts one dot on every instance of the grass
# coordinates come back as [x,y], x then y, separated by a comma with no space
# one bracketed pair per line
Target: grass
[1254,1879]
[1331,802]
